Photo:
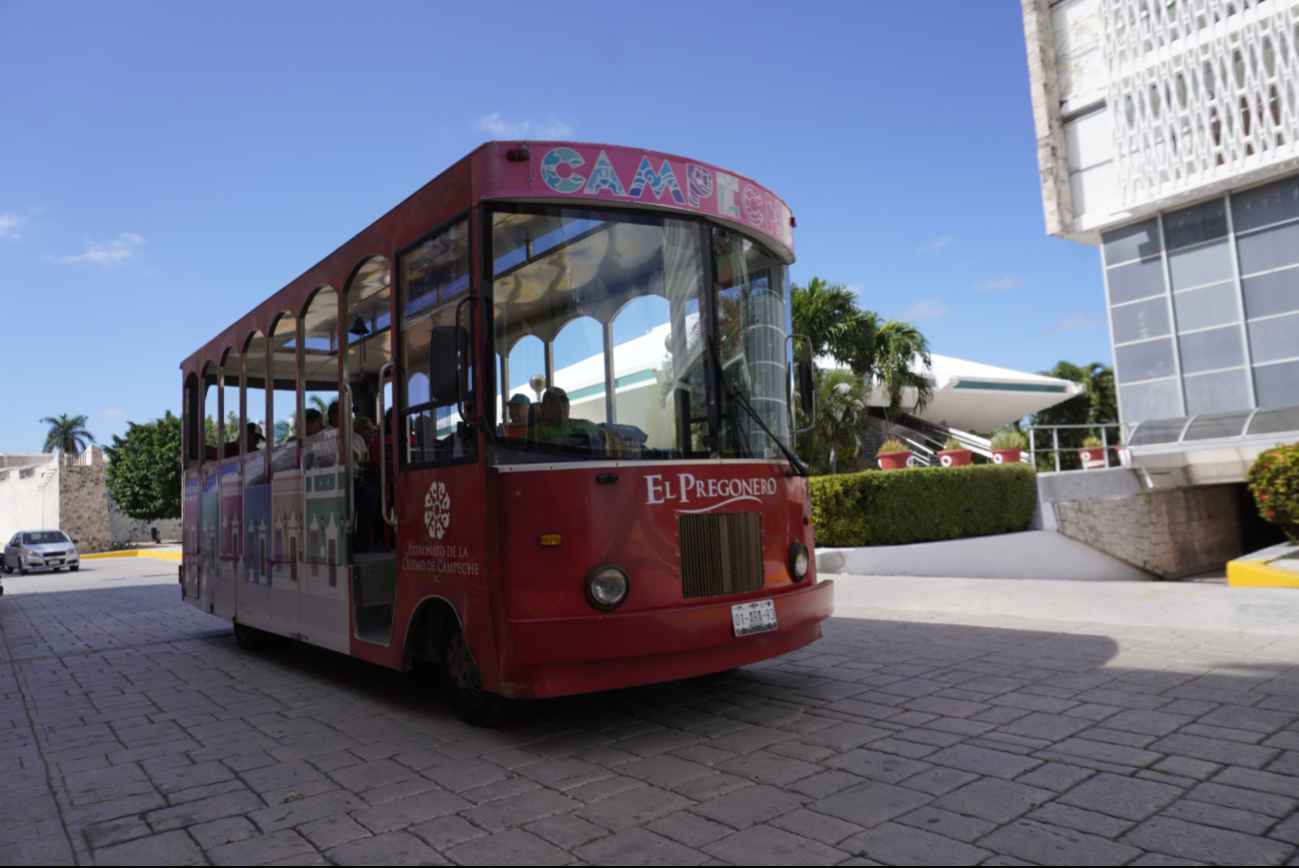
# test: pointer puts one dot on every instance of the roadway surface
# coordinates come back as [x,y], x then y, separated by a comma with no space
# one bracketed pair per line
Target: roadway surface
[1118,731]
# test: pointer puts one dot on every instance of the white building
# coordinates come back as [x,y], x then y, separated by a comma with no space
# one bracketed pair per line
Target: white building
[1168,137]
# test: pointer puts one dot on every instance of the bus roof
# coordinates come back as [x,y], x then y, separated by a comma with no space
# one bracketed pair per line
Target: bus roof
[544,172]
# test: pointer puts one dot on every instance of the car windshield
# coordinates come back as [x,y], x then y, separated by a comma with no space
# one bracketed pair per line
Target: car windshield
[604,339]
[42,537]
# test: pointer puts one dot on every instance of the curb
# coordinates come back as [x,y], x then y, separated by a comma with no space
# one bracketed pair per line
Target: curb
[136,553]
[1257,574]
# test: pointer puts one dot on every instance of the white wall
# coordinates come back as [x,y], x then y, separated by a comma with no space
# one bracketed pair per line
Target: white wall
[29,502]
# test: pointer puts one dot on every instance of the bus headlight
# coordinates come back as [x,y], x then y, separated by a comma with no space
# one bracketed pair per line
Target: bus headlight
[798,561]
[606,587]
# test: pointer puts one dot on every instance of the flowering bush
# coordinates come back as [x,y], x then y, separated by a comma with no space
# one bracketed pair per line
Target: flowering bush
[1274,482]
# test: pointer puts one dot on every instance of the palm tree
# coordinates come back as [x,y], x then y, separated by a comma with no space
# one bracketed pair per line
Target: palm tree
[889,354]
[67,433]
[842,415]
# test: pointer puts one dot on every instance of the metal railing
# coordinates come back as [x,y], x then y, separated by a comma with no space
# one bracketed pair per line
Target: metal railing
[1110,450]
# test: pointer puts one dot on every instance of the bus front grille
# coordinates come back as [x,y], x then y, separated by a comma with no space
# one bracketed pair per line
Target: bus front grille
[720,553]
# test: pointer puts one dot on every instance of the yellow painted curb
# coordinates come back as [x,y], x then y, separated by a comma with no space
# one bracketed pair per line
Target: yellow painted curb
[1257,574]
[136,553]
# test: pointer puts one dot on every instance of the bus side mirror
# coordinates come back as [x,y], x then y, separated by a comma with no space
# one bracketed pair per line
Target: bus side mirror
[806,386]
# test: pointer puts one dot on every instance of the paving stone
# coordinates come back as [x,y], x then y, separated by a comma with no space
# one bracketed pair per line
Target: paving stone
[956,826]
[329,832]
[1161,859]
[1046,726]
[169,848]
[1267,782]
[109,833]
[1187,767]
[871,803]
[1207,844]
[188,776]
[1043,844]
[519,810]
[1080,820]
[749,806]
[299,811]
[818,827]
[446,832]
[633,808]
[464,774]
[225,831]
[1055,776]
[513,847]
[824,784]
[767,845]
[877,766]
[390,848]
[1246,718]
[712,787]
[937,781]
[204,810]
[1217,750]
[365,776]
[992,799]
[896,844]
[638,847]
[1244,799]
[409,811]
[665,770]
[983,761]
[1128,798]
[285,844]
[1107,753]
[1216,815]
[566,830]
[844,736]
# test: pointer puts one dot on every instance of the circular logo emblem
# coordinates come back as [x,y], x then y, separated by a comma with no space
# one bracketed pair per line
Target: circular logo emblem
[437,510]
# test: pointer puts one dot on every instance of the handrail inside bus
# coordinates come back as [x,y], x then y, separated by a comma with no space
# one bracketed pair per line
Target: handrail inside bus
[390,518]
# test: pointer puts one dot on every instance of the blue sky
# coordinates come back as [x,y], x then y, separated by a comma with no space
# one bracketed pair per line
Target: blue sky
[167,166]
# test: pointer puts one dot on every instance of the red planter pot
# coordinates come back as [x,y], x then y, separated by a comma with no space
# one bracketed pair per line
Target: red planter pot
[1093,458]
[954,457]
[894,460]
[1006,456]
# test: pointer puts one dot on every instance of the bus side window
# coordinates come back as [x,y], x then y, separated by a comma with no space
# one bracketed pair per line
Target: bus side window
[433,281]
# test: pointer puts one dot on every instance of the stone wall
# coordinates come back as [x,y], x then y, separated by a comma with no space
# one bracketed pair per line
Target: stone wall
[123,529]
[83,502]
[1169,533]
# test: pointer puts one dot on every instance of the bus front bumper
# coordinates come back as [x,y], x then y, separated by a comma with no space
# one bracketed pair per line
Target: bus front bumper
[602,652]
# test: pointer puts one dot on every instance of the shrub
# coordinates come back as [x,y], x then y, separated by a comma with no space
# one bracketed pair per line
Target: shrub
[926,504]
[1009,438]
[894,446]
[952,443]
[1091,441]
[1274,482]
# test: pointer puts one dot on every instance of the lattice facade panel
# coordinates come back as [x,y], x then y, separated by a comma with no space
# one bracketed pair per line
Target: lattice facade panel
[1201,91]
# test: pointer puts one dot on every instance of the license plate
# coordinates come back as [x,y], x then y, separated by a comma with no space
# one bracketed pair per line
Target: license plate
[755,617]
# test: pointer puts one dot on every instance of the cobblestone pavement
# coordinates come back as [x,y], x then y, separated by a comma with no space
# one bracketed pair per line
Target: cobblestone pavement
[133,731]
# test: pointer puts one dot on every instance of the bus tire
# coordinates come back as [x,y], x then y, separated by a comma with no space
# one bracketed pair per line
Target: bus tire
[458,672]
[249,638]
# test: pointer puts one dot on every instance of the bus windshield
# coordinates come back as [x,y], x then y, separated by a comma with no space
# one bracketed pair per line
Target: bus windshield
[608,347]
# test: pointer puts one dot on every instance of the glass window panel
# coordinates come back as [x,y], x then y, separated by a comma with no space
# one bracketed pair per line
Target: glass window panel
[1131,242]
[1277,385]
[1159,400]
[1270,203]
[1198,266]
[1202,222]
[436,270]
[1267,249]
[1136,280]
[1157,431]
[1206,307]
[1211,350]
[1147,361]
[599,301]
[1214,426]
[1273,293]
[1274,421]
[1141,321]
[1272,340]
[1217,392]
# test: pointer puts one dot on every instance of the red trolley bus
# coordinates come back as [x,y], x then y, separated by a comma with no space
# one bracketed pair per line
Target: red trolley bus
[532,425]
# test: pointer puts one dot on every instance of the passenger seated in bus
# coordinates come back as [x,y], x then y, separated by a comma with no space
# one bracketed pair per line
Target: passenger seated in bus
[252,434]
[555,427]
[322,451]
[333,414]
[365,492]
[518,409]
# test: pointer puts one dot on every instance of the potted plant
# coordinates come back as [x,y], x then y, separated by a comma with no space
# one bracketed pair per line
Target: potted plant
[953,454]
[1092,454]
[894,455]
[1007,446]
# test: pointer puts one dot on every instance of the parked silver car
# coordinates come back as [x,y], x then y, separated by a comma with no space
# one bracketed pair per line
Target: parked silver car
[41,549]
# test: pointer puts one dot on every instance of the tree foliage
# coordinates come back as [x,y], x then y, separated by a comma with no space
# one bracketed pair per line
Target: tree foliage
[1097,404]
[842,414]
[67,433]
[144,469]
[1274,482]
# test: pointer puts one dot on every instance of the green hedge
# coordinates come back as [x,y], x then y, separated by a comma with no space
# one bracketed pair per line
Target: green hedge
[922,504]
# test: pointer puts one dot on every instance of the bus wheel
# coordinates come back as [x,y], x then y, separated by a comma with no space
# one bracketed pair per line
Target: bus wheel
[460,682]
[249,638]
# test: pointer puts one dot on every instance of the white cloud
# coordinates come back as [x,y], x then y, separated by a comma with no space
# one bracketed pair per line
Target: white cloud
[113,412]
[1000,284]
[855,288]
[114,253]
[936,245]
[1068,324]
[9,221]
[930,308]
[499,128]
